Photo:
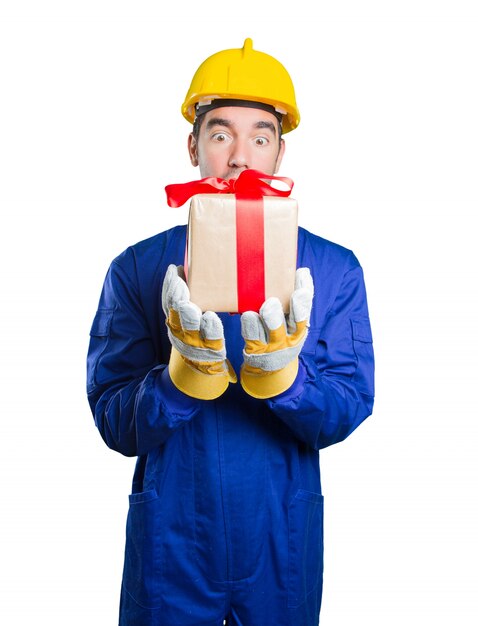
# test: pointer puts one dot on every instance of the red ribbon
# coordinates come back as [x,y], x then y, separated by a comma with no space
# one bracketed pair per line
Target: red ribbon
[249,187]
[250,183]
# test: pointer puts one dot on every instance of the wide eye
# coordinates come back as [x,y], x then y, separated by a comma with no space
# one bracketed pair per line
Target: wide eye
[261,141]
[219,137]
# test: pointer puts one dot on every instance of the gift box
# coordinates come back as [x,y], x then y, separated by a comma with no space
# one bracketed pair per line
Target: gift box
[242,246]
[235,259]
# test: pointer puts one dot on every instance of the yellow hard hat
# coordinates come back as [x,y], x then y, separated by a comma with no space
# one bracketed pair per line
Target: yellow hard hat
[243,74]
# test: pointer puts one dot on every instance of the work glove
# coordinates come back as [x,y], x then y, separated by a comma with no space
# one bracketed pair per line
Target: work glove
[273,343]
[197,365]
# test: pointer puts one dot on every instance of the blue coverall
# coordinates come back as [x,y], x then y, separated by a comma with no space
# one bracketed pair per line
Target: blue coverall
[226,512]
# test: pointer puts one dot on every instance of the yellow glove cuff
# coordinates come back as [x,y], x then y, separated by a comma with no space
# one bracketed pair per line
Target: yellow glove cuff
[199,384]
[260,384]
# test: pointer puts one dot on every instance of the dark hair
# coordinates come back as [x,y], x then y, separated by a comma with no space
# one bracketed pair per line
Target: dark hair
[197,127]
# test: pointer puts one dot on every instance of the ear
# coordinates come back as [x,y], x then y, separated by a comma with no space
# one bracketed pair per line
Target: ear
[193,150]
[280,155]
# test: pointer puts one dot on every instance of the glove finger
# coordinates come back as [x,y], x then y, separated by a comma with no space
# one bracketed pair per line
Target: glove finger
[211,326]
[175,289]
[303,279]
[301,299]
[170,273]
[272,314]
[189,315]
[252,328]
[301,305]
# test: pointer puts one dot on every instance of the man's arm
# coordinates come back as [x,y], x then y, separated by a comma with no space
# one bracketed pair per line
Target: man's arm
[134,403]
[334,388]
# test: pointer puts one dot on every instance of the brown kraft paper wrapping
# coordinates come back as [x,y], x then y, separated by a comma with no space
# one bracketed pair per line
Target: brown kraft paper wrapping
[212,264]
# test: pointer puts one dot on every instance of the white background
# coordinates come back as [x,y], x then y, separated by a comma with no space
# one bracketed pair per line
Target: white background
[384,162]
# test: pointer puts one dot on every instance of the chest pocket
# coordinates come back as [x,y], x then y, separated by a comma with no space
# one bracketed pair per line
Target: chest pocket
[99,334]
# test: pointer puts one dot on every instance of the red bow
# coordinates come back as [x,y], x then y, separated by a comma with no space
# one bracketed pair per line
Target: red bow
[249,183]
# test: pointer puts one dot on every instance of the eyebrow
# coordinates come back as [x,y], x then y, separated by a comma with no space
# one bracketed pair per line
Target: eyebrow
[220,121]
[265,124]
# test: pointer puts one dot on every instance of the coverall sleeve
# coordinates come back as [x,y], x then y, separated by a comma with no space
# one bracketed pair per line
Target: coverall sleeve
[334,389]
[134,404]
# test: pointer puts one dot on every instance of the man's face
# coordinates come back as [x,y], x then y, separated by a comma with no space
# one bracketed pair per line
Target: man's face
[232,139]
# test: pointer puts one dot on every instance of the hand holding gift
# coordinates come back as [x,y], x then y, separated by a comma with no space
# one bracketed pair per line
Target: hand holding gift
[273,343]
[198,365]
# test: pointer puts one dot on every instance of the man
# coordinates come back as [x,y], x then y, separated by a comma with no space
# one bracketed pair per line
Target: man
[226,514]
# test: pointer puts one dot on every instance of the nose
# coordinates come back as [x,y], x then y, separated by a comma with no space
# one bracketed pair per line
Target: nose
[238,157]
